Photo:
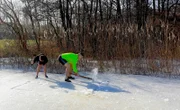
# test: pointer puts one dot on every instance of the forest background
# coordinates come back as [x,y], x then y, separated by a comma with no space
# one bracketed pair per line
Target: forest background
[124,36]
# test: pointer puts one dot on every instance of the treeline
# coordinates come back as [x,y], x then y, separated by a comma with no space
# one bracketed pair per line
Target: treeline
[103,29]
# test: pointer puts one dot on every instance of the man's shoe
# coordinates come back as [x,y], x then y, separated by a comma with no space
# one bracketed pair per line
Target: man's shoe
[46,76]
[70,77]
[36,77]
[67,80]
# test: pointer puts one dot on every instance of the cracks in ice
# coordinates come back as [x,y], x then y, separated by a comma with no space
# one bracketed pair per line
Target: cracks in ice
[20,85]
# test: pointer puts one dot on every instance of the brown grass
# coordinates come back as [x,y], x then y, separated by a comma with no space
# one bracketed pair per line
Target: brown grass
[151,50]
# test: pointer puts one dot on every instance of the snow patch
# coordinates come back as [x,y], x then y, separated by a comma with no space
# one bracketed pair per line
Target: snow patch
[21,91]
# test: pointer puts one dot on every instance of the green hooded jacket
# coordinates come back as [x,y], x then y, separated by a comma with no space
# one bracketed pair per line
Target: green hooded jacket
[71,58]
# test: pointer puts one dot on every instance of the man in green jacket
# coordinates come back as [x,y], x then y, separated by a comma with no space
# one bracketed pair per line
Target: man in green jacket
[70,60]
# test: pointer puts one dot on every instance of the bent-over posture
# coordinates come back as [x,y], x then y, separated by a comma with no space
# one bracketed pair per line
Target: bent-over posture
[41,59]
[70,60]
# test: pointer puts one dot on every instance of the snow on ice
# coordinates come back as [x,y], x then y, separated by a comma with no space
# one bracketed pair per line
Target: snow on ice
[108,91]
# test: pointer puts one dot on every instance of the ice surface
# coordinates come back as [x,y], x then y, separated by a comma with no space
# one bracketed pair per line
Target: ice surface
[20,90]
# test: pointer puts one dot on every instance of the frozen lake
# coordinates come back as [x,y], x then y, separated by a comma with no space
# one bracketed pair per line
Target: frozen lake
[21,91]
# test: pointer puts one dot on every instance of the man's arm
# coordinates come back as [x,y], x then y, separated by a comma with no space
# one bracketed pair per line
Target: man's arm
[75,68]
[33,61]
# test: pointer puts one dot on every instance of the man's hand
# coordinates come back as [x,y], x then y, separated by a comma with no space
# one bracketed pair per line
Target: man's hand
[32,62]
[76,74]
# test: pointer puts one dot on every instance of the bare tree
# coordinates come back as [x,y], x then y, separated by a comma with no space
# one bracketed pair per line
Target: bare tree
[119,13]
[12,20]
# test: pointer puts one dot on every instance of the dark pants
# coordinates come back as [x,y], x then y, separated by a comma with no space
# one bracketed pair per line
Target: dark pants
[62,61]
